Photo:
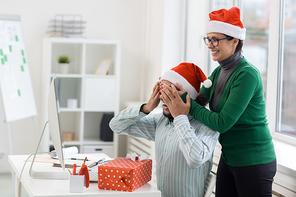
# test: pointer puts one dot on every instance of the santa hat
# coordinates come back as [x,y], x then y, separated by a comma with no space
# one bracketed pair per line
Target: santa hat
[189,76]
[226,22]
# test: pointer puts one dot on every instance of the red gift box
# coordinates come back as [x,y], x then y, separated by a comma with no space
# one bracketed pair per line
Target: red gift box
[124,174]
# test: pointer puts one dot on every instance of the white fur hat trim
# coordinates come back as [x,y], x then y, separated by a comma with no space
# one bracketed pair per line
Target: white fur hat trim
[174,77]
[226,28]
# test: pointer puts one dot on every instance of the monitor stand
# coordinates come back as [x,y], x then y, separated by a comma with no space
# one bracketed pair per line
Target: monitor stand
[46,175]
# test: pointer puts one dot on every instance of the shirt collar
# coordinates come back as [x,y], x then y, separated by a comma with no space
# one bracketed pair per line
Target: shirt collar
[172,122]
[168,122]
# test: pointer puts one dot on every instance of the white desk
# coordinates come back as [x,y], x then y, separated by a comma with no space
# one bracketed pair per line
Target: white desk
[60,188]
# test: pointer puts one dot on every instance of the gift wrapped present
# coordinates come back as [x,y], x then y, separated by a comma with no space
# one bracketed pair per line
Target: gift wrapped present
[124,174]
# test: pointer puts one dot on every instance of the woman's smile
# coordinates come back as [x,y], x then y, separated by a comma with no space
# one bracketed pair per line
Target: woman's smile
[214,52]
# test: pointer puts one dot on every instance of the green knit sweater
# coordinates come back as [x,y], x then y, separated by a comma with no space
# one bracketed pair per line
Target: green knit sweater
[240,117]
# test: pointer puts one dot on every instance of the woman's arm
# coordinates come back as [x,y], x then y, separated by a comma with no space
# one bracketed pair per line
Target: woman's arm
[241,92]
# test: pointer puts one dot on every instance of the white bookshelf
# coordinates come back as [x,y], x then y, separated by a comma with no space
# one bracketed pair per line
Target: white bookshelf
[96,94]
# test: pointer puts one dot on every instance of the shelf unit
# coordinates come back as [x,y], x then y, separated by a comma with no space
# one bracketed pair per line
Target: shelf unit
[96,95]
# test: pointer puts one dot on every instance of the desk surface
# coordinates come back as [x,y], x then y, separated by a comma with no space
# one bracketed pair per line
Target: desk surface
[58,188]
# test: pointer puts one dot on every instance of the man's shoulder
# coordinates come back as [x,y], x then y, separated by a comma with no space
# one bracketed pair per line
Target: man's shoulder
[198,125]
[194,121]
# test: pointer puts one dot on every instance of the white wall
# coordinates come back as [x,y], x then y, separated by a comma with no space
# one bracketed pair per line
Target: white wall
[123,20]
[196,50]
[153,47]
[165,42]
[173,34]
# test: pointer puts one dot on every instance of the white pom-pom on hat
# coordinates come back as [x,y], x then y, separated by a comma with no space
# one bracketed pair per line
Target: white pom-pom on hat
[207,83]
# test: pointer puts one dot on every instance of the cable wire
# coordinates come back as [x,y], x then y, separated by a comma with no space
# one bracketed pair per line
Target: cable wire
[35,153]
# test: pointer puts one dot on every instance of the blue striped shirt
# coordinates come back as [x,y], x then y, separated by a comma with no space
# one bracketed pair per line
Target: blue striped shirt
[184,149]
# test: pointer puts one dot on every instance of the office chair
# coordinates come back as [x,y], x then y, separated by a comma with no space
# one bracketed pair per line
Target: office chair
[210,184]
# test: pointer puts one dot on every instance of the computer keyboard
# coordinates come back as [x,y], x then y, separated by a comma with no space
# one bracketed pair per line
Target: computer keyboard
[93,176]
[93,172]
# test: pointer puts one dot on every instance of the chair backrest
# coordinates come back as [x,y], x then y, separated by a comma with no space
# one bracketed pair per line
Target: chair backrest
[210,184]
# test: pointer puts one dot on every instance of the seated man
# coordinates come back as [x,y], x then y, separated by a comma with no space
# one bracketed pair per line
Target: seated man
[184,146]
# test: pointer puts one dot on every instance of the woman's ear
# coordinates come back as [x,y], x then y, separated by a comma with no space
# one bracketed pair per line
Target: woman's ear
[235,41]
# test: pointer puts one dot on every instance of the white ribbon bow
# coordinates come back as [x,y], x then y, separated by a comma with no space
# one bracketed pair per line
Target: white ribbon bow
[135,157]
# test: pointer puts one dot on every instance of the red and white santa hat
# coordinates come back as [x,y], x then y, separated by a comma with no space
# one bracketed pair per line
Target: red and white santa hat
[189,76]
[226,22]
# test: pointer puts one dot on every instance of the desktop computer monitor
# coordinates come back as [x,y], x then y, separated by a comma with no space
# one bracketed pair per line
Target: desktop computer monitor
[56,136]
[53,109]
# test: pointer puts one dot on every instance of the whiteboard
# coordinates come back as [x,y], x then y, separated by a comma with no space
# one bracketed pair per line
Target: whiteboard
[15,80]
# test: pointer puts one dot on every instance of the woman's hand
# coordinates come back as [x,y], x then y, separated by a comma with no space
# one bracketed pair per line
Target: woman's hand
[181,89]
[171,97]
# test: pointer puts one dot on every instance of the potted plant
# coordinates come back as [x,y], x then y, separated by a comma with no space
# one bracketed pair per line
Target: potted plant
[64,64]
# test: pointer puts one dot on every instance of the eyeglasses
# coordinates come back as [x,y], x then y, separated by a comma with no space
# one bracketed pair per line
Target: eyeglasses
[214,41]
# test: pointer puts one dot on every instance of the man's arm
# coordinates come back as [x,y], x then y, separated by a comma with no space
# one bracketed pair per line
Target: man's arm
[133,122]
[196,141]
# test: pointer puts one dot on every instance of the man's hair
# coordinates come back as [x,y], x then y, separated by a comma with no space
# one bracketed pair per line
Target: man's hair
[201,99]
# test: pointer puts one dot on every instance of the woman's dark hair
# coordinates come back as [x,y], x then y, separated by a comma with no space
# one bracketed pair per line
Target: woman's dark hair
[201,99]
[239,47]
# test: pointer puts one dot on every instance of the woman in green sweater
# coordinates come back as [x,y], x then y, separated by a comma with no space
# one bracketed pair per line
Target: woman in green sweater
[237,111]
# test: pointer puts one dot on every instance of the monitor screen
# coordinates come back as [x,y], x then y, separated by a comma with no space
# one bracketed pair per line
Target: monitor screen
[56,136]
[54,123]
